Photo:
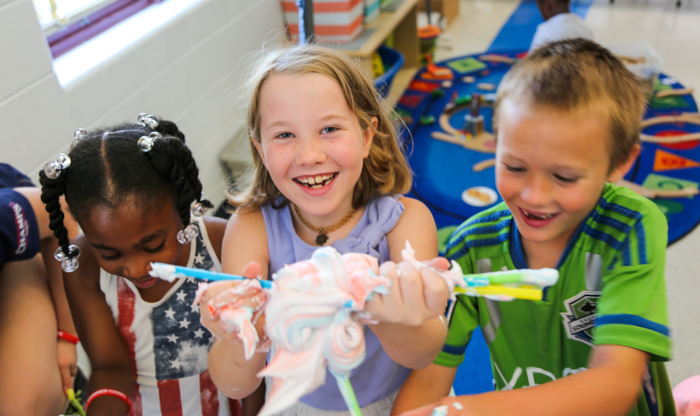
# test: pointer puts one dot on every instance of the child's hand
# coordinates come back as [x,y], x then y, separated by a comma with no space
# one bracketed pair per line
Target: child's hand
[415,296]
[67,362]
[221,297]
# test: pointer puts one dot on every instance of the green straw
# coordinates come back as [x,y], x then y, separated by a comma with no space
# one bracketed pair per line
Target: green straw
[348,394]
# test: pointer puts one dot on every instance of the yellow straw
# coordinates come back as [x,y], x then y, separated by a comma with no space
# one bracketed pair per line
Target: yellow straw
[529,293]
[76,403]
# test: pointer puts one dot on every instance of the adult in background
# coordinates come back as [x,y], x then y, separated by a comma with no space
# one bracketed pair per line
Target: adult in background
[559,24]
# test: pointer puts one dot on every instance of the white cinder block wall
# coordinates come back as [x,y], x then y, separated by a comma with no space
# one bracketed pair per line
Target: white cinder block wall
[187,69]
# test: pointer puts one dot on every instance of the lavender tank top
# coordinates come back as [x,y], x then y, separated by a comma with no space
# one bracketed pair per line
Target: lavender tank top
[378,376]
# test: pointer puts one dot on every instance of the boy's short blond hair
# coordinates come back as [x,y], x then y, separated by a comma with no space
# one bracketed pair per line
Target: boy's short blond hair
[578,75]
[385,170]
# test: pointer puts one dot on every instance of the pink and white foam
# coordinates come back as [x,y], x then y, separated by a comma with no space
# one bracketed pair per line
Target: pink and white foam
[314,316]
[314,319]
[238,309]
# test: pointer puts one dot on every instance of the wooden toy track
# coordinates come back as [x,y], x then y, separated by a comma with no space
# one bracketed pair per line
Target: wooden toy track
[673,92]
[483,165]
[496,58]
[692,118]
[483,143]
[658,193]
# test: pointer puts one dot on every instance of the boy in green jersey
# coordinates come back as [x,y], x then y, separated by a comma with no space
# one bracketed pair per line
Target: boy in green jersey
[567,119]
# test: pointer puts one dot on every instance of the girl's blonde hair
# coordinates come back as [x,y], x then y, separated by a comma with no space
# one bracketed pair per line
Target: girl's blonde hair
[384,171]
[578,75]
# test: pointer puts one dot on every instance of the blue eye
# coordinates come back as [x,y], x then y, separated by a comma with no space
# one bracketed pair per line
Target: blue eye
[330,129]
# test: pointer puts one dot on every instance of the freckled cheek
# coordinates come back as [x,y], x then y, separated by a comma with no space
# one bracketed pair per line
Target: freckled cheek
[278,159]
[346,151]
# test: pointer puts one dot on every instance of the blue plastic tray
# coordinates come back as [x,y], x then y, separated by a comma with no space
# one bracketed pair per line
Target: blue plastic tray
[393,61]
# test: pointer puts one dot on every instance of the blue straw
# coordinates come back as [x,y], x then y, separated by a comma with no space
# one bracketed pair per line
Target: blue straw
[207,275]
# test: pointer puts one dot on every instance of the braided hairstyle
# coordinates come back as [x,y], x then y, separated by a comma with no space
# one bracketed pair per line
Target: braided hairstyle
[107,169]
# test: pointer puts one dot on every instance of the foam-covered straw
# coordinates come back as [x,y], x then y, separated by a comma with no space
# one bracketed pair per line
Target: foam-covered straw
[314,319]
[348,395]
[171,272]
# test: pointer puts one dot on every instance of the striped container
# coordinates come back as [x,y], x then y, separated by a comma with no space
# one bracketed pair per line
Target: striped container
[371,10]
[334,21]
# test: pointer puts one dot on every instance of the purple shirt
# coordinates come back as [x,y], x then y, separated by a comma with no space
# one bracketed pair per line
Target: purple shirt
[378,376]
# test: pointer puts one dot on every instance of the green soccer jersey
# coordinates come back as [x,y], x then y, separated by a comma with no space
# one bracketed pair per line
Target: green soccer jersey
[611,290]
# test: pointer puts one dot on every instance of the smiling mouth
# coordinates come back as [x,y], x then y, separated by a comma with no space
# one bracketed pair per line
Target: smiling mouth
[316,182]
[536,216]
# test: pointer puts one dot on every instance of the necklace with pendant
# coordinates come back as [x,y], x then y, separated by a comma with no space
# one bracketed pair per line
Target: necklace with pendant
[322,232]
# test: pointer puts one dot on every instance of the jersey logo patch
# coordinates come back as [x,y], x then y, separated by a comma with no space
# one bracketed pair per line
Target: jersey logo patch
[579,320]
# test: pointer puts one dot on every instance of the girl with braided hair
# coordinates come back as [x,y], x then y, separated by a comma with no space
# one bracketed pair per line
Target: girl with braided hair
[135,192]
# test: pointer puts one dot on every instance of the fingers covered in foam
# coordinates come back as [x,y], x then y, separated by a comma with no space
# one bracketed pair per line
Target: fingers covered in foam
[234,311]
[415,295]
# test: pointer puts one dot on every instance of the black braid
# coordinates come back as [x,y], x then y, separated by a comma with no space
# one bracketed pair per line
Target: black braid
[107,169]
[51,191]
[173,159]
[163,157]
[168,128]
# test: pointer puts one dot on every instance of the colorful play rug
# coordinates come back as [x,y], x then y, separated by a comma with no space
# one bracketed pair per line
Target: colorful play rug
[453,159]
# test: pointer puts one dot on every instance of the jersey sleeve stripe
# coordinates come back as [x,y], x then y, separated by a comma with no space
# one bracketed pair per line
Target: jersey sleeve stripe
[626,257]
[619,209]
[452,244]
[634,320]
[492,229]
[471,227]
[489,218]
[611,222]
[618,245]
[603,236]
[626,228]
[476,243]
[480,219]
[454,349]
[641,242]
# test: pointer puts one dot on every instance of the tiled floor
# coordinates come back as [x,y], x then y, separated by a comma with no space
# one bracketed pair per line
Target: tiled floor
[675,34]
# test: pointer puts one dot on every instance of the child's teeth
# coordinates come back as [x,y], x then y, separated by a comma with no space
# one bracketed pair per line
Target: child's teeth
[539,217]
[316,182]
